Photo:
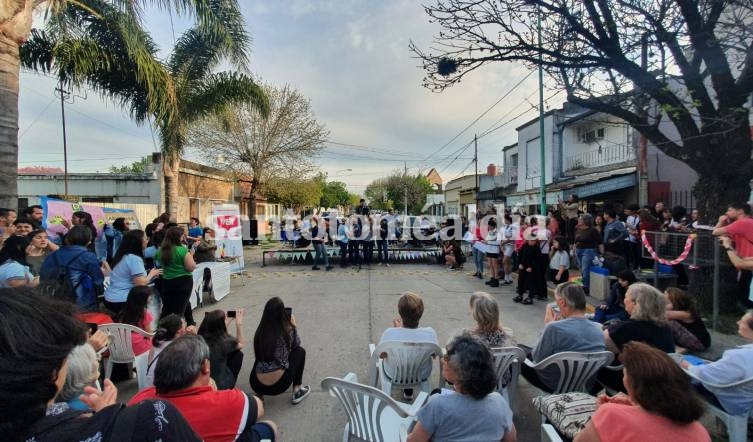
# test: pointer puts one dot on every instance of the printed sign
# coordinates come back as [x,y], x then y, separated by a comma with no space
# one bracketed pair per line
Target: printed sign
[226,224]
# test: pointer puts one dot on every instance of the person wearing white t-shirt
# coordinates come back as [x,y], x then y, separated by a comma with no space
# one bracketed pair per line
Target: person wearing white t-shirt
[492,252]
[510,233]
[410,307]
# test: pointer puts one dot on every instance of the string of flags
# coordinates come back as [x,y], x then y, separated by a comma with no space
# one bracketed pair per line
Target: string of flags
[395,255]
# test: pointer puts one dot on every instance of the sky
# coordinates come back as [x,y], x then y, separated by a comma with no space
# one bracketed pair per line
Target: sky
[351,59]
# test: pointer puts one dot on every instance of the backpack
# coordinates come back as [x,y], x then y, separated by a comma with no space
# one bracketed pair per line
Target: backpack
[60,285]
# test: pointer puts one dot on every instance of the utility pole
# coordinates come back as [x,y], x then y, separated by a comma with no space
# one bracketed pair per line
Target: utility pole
[405,181]
[542,187]
[475,161]
[642,142]
[63,95]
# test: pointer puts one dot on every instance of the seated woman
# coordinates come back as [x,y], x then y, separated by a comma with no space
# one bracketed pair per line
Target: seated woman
[280,359]
[647,323]
[170,327]
[474,411]
[735,365]
[83,371]
[659,405]
[28,394]
[135,313]
[614,307]
[225,355]
[687,326]
[485,311]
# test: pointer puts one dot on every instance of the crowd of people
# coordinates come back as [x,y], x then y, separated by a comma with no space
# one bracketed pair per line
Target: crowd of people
[52,289]
[121,274]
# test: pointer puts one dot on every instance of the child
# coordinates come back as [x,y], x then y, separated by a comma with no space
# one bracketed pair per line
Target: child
[687,327]
[528,256]
[135,313]
[559,260]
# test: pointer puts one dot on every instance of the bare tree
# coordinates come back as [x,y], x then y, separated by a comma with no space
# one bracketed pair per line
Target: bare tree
[282,145]
[692,58]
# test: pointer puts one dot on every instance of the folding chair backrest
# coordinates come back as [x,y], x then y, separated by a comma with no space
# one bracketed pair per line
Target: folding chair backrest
[120,344]
[576,369]
[365,407]
[406,361]
[507,360]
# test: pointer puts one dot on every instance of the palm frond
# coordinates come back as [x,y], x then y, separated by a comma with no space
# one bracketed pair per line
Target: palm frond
[221,90]
[36,53]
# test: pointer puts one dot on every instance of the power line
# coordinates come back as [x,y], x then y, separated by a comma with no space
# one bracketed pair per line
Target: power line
[480,116]
[39,115]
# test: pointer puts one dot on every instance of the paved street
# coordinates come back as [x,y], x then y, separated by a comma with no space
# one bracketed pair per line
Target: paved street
[340,312]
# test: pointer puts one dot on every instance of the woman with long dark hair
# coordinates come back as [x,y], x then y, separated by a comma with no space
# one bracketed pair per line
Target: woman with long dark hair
[33,367]
[225,355]
[135,313]
[169,328]
[96,246]
[128,270]
[14,270]
[280,359]
[177,279]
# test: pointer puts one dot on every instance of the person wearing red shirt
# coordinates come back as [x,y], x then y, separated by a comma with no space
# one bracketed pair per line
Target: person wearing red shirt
[182,377]
[738,225]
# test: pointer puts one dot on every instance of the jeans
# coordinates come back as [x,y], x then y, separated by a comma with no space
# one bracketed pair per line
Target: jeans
[478,258]
[293,375]
[321,254]
[368,251]
[585,261]
[382,250]
[343,253]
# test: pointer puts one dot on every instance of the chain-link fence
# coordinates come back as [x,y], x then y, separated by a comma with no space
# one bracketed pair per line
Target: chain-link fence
[699,263]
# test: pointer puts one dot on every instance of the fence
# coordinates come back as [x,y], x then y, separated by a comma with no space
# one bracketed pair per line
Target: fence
[682,198]
[707,270]
[603,156]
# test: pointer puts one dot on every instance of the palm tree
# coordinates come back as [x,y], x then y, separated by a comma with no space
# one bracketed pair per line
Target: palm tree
[199,92]
[92,60]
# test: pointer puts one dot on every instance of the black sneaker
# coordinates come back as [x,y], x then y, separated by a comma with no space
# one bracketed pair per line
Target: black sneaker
[315,268]
[328,268]
[301,394]
[494,283]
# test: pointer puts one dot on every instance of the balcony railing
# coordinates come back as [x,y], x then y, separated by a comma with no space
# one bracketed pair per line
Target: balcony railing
[510,175]
[603,156]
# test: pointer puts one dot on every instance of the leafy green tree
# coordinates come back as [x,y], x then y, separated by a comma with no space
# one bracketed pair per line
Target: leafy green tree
[294,193]
[390,192]
[139,166]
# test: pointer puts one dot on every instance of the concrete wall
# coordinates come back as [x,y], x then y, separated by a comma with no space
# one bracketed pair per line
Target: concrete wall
[615,147]
[122,188]
[529,155]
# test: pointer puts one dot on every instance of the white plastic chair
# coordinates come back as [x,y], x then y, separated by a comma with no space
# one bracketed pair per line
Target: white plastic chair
[549,434]
[404,365]
[508,360]
[121,350]
[737,425]
[576,369]
[372,415]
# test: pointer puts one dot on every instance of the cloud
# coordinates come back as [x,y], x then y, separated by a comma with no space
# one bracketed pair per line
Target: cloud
[351,58]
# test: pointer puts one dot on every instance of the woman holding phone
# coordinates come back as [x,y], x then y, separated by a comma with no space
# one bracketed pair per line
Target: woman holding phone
[280,359]
[225,355]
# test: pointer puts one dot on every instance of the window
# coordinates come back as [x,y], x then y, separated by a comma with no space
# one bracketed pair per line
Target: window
[532,158]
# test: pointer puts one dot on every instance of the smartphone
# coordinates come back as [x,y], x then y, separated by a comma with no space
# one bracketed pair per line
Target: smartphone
[554,307]
[92,327]
[289,311]
[230,314]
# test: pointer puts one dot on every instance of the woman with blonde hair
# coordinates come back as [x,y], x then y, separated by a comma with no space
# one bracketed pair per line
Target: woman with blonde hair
[647,323]
[485,311]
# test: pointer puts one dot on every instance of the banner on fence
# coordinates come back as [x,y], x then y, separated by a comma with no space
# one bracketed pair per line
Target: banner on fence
[59,212]
[228,236]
